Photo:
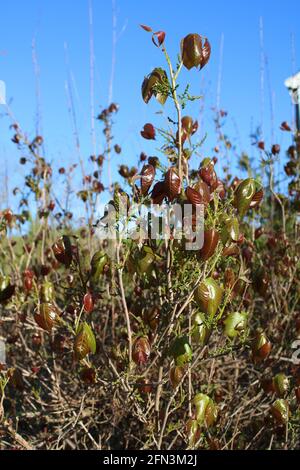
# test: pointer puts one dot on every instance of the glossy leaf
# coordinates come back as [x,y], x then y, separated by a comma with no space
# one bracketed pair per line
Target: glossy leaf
[181,351]
[208,296]
[47,292]
[257,198]
[196,197]
[46,316]
[158,38]
[158,193]
[243,195]
[281,384]
[195,52]
[230,230]
[172,184]
[235,324]
[146,28]
[62,250]
[210,242]
[280,411]
[85,342]
[201,332]
[176,374]
[147,177]
[193,432]
[156,84]
[88,302]
[148,132]
[141,350]
[261,347]
[98,263]
[206,410]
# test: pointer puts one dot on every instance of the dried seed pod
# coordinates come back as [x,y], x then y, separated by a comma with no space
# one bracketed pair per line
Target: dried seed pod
[210,242]
[47,316]
[181,351]
[280,411]
[172,184]
[195,52]
[261,347]
[176,374]
[235,324]
[85,342]
[147,177]
[281,384]
[208,296]
[62,250]
[141,350]
[206,410]
[243,195]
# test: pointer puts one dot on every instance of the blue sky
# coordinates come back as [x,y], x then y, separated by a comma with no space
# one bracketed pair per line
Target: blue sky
[57,23]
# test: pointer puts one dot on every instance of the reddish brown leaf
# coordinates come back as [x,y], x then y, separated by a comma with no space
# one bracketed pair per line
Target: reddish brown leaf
[158,193]
[146,28]
[158,38]
[285,127]
[148,132]
[211,239]
[172,184]
[141,350]
[147,177]
[202,188]
[194,52]
[257,198]
[88,302]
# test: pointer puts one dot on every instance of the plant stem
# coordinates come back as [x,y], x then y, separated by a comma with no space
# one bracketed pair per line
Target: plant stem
[177,106]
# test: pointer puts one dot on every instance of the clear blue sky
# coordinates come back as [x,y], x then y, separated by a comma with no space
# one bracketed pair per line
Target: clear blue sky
[54,23]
